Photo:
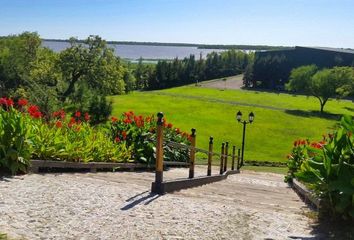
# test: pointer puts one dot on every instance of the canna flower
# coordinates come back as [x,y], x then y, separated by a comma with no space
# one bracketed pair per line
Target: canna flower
[114,119]
[22,102]
[59,124]
[78,114]
[169,125]
[87,117]
[117,139]
[124,134]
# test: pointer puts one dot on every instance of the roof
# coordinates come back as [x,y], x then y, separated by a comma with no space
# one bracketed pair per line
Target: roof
[341,50]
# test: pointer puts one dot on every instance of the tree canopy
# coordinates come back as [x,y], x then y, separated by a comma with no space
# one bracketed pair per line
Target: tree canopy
[323,84]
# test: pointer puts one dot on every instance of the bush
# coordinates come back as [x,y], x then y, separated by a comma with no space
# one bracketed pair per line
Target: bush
[15,149]
[327,167]
[139,133]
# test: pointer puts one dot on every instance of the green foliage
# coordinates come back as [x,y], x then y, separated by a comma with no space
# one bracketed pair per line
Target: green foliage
[15,149]
[328,168]
[323,84]
[99,109]
[139,134]
[300,77]
[93,64]
[76,143]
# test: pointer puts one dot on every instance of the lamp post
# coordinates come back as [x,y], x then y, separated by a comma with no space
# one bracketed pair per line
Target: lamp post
[244,122]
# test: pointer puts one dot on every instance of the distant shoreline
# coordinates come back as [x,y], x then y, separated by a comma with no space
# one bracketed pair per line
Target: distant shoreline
[200,46]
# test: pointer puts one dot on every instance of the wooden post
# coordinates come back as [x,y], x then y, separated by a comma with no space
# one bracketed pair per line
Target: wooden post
[159,151]
[238,158]
[192,154]
[226,153]
[222,158]
[233,157]
[210,155]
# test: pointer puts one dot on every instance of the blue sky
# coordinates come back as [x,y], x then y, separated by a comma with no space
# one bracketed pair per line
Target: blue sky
[271,22]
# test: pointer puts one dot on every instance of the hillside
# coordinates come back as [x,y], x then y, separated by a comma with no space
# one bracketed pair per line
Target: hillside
[280,118]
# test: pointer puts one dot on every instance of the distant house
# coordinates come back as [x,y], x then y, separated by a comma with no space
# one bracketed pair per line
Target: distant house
[272,68]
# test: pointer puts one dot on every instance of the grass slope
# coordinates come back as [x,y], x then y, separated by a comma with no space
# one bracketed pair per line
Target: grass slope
[280,118]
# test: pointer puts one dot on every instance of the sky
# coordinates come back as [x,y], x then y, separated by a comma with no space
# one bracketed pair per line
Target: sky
[327,23]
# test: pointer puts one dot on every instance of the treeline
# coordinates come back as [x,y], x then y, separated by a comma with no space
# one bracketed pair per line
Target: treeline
[177,72]
[200,46]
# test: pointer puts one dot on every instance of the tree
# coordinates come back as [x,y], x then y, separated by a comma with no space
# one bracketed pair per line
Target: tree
[324,84]
[92,63]
[300,78]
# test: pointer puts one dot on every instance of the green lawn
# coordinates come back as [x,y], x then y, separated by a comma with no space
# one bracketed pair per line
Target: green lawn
[212,113]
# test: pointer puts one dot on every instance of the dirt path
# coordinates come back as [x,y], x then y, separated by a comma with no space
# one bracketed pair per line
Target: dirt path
[119,206]
[234,82]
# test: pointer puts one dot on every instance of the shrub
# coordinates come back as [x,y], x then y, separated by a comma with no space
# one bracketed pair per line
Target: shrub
[15,149]
[327,167]
[139,133]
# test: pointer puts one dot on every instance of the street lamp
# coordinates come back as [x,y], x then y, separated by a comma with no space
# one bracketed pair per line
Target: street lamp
[244,122]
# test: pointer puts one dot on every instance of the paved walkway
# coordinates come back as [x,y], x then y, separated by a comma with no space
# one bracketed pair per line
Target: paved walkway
[119,206]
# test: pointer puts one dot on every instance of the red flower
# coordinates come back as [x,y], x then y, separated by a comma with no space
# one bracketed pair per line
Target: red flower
[34,112]
[316,145]
[59,124]
[169,125]
[61,113]
[78,114]
[124,134]
[8,102]
[87,117]
[114,119]
[178,131]
[33,108]
[22,102]
[72,120]
[117,139]
[127,121]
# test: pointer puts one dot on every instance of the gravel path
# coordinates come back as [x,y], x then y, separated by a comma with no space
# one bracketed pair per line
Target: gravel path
[119,206]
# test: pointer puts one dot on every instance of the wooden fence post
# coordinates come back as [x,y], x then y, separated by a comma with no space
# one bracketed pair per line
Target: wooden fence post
[192,154]
[233,157]
[226,155]
[238,158]
[222,158]
[159,151]
[210,155]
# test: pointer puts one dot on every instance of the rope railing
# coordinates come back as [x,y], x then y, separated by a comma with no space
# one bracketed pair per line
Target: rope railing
[158,186]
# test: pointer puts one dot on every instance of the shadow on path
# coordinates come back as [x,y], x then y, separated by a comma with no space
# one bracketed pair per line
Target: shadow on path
[145,196]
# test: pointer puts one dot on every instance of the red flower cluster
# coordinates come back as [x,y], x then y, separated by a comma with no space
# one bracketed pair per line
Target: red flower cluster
[7,102]
[300,142]
[59,114]
[34,112]
[318,145]
[22,102]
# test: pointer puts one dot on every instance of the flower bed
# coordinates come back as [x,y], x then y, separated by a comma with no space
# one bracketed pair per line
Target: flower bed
[139,134]
[25,133]
[327,168]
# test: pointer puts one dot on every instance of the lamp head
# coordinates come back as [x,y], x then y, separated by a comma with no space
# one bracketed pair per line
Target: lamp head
[239,116]
[251,117]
